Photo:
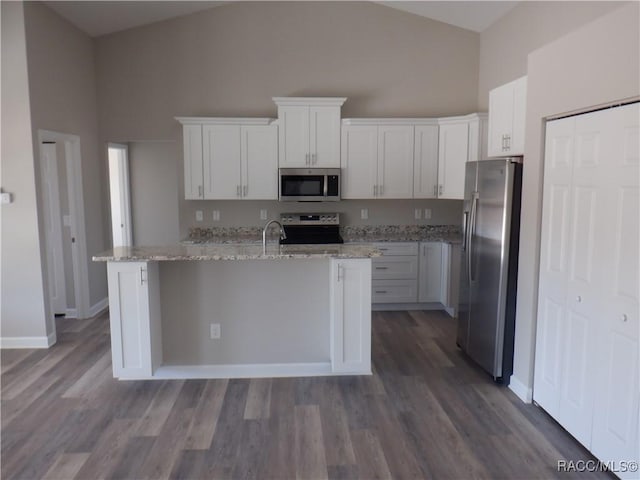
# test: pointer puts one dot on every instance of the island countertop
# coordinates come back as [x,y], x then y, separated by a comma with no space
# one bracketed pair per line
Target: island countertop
[236,252]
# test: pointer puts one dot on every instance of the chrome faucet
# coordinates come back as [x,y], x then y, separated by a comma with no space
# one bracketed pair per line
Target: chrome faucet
[264,234]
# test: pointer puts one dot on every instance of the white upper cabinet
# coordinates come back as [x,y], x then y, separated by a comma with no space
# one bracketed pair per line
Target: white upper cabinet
[453,151]
[507,105]
[377,160]
[425,162]
[230,158]
[309,131]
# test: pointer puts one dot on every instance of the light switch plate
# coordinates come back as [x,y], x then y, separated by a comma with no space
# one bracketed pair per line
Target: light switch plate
[6,198]
[216,215]
[199,216]
[364,213]
[263,214]
[427,213]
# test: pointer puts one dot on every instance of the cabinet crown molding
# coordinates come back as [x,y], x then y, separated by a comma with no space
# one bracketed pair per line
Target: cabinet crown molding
[309,101]
[225,120]
[390,121]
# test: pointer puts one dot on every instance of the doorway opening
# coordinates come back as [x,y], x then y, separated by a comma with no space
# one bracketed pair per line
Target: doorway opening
[120,195]
[62,209]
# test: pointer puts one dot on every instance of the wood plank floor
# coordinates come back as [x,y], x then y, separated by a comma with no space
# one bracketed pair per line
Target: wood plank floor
[427,412]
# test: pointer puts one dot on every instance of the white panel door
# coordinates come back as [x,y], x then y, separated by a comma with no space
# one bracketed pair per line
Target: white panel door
[425,162]
[324,136]
[193,166]
[453,150]
[351,316]
[616,423]
[221,152]
[259,153]
[554,260]
[294,136]
[430,273]
[395,161]
[359,161]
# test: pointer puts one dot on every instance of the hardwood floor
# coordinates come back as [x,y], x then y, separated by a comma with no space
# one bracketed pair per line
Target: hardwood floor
[427,412]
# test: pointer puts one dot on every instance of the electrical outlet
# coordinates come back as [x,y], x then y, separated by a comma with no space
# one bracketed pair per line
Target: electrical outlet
[199,216]
[216,215]
[427,213]
[364,213]
[214,331]
[417,213]
[263,214]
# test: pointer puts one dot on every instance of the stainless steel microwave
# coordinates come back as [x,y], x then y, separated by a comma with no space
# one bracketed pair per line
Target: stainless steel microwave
[309,184]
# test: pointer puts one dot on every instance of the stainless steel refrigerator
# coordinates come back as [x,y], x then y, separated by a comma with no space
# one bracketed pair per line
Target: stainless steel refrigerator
[489,264]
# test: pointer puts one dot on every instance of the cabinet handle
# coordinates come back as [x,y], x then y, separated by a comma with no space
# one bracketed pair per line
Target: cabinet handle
[314,158]
[508,142]
[382,268]
[199,191]
[375,190]
[340,272]
[381,291]
[142,272]
[383,249]
[579,299]
[307,159]
[624,317]
[381,190]
[439,189]
[237,190]
[245,190]
[435,190]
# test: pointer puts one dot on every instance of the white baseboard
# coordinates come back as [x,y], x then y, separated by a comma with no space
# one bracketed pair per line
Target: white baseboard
[71,313]
[28,342]
[386,307]
[99,307]
[523,392]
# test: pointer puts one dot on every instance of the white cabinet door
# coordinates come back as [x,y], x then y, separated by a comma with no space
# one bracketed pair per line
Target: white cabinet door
[451,277]
[430,273]
[400,267]
[359,161]
[395,161]
[193,162]
[452,156]
[134,315]
[294,136]
[259,161]
[221,151]
[324,136]
[615,423]
[425,162]
[477,138]
[507,105]
[351,315]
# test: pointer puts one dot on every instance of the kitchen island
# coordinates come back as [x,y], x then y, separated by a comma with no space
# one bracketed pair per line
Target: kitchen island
[234,310]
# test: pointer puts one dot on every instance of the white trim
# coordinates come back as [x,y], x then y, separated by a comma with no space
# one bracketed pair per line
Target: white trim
[462,118]
[269,370]
[71,313]
[389,121]
[523,392]
[99,307]
[309,101]
[28,342]
[225,120]
[451,311]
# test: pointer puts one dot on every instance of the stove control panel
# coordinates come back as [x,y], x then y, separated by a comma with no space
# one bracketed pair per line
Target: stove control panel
[310,218]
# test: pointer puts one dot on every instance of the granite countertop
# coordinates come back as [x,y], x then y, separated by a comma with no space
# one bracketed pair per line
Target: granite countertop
[235,252]
[350,234]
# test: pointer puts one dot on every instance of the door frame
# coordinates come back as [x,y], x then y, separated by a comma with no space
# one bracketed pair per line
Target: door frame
[79,257]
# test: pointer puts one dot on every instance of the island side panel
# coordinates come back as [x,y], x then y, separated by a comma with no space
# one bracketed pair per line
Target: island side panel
[269,311]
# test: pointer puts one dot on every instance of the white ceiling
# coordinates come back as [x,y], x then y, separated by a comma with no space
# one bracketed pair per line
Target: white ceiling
[102,17]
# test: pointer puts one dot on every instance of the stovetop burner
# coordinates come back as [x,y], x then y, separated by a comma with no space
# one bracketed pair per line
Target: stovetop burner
[313,228]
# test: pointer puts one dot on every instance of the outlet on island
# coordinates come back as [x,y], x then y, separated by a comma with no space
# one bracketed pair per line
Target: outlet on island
[214,331]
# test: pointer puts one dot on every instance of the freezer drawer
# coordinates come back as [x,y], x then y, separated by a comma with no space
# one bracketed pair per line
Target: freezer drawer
[394,291]
[400,267]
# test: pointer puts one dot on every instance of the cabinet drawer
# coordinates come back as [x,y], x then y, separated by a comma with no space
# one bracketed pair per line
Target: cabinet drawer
[394,291]
[394,248]
[400,267]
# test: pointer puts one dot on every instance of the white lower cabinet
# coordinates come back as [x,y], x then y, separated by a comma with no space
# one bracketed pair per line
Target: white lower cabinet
[395,273]
[134,314]
[350,315]
[586,370]
[431,272]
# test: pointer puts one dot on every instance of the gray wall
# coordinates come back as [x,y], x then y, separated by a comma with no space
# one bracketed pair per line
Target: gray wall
[153,177]
[505,45]
[62,88]
[606,53]
[230,61]
[22,297]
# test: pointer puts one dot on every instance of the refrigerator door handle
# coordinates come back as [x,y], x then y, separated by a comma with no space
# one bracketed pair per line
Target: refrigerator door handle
[465,219]
[470,231]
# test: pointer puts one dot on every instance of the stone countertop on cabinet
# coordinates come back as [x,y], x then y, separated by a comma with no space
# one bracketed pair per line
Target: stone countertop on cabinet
[399,237]
[236,251]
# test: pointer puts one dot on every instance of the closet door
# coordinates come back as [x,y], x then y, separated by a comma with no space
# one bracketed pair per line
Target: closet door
[554,261]
[615,423]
